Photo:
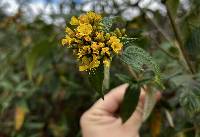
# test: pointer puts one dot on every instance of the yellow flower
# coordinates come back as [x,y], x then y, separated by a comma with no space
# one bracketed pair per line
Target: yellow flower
[80,53]
[84,29]
[78,41]
[87,38]
[106,62]
[69,32]
[83,19]
[93,16]
[117,47]
[87,64]
[100,36]
[113,39]
[105,50]
[78,35]
[67,41]
[95,62]
[95,47]
[101,44]
[74,21]
[85,50]
[98,17]
[90,44]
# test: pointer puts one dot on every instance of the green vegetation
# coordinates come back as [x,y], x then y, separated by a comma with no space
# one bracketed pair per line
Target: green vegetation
[43,93]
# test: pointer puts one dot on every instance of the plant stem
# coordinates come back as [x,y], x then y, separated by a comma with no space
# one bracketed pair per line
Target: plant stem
[168,54]
[187,130]
[163,50]
[179,40]
[106,80]
[133,74]
[162,32]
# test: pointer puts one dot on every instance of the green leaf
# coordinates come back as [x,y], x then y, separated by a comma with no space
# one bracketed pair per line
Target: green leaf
[140,60]
[130,102]
[127,41]
[190,97]
[124,78]
[193,43]
[96,80]
[107,23]
[42,49]
[196,2]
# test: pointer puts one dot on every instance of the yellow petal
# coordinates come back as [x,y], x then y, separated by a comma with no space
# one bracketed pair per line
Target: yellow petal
[117,47]
[69,32]
[67,41]
[83,19]
[64,41]
[74,21]
[100,36]
[84,29]
[83,68]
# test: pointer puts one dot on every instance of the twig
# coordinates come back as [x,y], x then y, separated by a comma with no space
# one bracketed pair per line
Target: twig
[162,32]
[163,50]
[167,53]
[188,129]
[179,40]
[132,72]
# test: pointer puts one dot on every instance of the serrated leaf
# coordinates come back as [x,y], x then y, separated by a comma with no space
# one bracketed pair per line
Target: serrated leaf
[193,43]
[130,102]
[107,23]
[139,59]
[127,41]
[190,98]
[124,78]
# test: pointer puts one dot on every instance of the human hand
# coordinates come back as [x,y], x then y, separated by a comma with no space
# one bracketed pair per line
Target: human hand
[101,119]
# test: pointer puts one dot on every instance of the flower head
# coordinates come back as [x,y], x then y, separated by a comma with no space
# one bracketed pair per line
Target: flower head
[92,46]
[84,29]
[74,21]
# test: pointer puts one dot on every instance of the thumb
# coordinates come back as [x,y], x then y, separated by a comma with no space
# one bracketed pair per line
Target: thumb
[112,100]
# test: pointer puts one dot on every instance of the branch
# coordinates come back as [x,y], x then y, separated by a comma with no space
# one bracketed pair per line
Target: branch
[166,52]
[179,40]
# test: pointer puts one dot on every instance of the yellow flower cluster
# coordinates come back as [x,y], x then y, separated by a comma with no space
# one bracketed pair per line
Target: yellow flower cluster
[91,45]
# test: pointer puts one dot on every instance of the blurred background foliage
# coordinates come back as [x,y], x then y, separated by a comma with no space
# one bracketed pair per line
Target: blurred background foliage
[42,93]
